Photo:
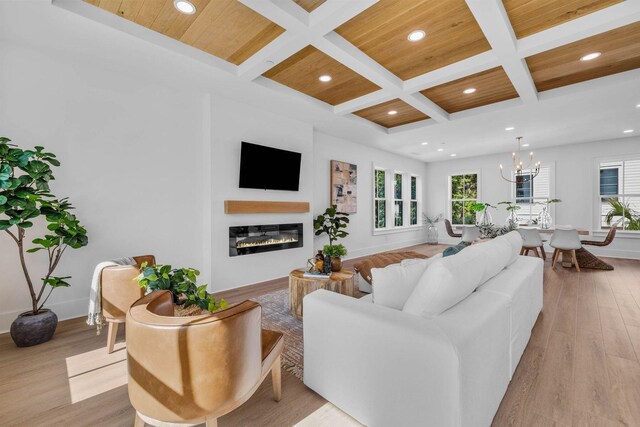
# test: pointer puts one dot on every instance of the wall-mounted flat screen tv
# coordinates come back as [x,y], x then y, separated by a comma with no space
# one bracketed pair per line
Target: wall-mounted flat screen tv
[269,168]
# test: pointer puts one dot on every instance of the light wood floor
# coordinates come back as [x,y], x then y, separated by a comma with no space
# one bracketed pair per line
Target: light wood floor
[580,369]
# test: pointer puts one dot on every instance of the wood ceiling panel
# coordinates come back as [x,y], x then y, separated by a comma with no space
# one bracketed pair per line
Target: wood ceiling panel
[380,114]
[491,86]
[532,16]
[559,67]
[452,34]
[224,28]
[302,70]
[309,5]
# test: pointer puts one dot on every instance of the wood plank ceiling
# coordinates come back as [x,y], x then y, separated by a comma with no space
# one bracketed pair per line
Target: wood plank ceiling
[379,114]
[620,49]
[381,32]
[234,32]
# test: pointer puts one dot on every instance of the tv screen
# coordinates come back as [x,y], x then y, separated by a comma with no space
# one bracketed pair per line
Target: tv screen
[268,168]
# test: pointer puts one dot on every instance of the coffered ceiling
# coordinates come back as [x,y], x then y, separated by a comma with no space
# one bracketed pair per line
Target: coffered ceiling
[509,50]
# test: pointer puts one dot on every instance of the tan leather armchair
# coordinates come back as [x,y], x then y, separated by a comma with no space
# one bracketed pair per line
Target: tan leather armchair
[119,291]
[191,370]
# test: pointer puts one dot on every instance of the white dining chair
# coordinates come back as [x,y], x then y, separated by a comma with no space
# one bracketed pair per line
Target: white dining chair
[565,240]
[531,241]
[470,233]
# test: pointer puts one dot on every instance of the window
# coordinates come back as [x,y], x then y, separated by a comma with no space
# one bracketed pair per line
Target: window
[531,194]
[413,217]
[380,208]
[462,195]
[396,198]
[398,203]
[619,195]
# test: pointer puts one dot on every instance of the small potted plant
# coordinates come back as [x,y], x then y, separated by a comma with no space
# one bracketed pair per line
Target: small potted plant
[432,231]
[182,284]
[512,220]
[25,198]
[485,218]
[544,218]
[334,224]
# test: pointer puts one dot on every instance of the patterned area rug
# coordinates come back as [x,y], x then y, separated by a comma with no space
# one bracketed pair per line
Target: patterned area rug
[277,317]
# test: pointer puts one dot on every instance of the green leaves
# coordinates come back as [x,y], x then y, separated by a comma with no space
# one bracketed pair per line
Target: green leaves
[332,223]
[334,250]
[57,282]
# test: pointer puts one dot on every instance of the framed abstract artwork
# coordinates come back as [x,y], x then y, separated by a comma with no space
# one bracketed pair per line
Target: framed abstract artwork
[344,186]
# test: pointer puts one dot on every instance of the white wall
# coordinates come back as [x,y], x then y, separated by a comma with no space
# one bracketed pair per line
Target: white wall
[361,240]
[575,184]
[129,150]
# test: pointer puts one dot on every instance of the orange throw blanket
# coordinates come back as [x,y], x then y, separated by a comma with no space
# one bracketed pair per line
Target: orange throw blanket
[382,260]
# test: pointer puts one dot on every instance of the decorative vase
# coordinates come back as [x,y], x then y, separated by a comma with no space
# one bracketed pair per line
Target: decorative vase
[544,218]
[432,235]
[336,263]
[513,220]
[485,218]
[29,329]
[327,264]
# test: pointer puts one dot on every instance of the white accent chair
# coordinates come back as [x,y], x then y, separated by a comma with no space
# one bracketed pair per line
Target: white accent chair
[565,241]
[470,233]
[531,241]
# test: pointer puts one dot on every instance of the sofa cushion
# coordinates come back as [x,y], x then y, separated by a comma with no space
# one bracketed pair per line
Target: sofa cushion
[393,284]
[515,240]
[452,250]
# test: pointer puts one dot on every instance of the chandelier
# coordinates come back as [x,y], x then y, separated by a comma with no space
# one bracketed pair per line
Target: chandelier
[522,173]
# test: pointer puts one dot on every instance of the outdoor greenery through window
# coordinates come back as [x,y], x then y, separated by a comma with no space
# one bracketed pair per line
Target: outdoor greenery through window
[398,203]
[413,218]
[464,194]
[380,217]
[530,194]
[620,194]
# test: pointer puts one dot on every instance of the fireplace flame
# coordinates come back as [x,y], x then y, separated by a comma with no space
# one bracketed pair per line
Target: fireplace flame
[279,241]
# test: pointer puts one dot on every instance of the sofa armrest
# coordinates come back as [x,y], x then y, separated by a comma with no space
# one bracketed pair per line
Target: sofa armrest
[381,366]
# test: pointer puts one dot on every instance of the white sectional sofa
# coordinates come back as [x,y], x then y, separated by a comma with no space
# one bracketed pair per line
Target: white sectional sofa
[427,364]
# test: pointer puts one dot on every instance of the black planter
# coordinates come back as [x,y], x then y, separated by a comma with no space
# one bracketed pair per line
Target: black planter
[29,329]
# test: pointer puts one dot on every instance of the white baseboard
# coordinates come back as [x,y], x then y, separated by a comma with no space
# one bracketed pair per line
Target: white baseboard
[64,310]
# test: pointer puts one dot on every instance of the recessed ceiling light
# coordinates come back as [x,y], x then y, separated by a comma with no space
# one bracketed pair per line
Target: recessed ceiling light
[325,78]
[184,6]
[453,154]
[440,149]
[638,106]
[468,91]
[509,128]
[392,112]
[415,36]
[525,145]
[590,56]
[425,143]
[627,131]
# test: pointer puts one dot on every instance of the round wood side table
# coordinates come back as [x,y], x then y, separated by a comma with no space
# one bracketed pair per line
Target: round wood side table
[342,282]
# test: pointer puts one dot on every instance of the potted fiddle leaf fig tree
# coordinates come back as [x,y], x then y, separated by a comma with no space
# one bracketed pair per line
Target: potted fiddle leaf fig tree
[334,224]
[24,198]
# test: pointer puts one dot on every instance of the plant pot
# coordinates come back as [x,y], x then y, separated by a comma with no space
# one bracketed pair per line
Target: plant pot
[29,329]
[432,235]
[336,263]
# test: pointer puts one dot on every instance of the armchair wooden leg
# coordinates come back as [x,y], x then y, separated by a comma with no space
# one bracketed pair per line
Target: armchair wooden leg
[211,422]
[138,421]
[276,379]
[575,260]
[544,254]
[111,336]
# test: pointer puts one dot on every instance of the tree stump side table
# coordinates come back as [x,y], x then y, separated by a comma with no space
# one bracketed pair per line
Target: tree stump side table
[342,282]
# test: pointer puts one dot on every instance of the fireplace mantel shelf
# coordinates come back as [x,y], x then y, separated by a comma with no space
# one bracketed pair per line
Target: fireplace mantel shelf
[257,206]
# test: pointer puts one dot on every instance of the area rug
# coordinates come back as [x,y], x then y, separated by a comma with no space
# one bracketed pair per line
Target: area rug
[277,317]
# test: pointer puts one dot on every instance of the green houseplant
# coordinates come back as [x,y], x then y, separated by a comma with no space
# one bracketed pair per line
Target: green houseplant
[629,218]
[512,220]
[182,284]
[334,224]
[485,218]
[25,197]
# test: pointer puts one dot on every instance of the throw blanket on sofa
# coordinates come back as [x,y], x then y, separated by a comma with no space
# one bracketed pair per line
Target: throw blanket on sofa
[382,260]
[95,302]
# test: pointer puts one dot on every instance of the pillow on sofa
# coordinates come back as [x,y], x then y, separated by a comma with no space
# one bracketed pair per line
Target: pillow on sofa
[452,250]
[515,240]
[428,261]
[393,284]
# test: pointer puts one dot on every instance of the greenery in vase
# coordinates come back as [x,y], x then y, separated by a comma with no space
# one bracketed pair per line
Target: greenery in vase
[334,250]
[479,207]
[24,197]
[180,281]
[333,223]
[511,207]
[623,210]
[431,221]
[492,231]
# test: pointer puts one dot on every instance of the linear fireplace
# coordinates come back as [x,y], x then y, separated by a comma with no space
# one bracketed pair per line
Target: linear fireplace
[252,239]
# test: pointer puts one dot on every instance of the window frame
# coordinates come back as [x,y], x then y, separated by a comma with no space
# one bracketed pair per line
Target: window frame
[413,200]
[598,228]
[390,200]
[399,201]
[450,199]
[533,199]
[376,198]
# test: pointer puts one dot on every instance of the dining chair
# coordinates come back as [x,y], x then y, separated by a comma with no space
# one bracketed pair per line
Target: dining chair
[531,241]
[470,233]
[565,240]
[447,225]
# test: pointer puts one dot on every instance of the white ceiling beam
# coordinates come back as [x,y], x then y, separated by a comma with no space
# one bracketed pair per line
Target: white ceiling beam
[333,13]
[368,100]
[495,24]
[272,54]
[604,20]
[426,106]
